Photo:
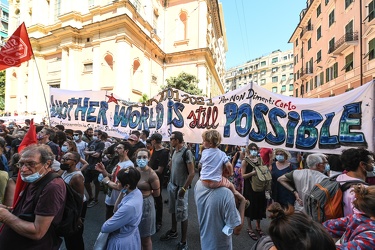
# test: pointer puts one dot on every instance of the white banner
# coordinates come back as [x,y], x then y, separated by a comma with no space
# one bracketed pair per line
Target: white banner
[245,115]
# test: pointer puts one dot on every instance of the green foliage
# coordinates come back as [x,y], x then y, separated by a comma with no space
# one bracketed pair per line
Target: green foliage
[144,98]
[2,90]
[185,82]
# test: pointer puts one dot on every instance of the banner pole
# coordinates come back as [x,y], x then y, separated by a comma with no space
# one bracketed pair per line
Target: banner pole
[251,87]
[41,84]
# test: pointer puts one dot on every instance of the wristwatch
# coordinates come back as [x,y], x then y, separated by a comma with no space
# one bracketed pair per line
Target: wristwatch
[107,182]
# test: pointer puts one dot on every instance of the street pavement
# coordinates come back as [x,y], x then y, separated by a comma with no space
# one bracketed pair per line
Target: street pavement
[95,218]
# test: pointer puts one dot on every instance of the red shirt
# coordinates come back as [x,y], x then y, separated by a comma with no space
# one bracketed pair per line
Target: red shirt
[265,155]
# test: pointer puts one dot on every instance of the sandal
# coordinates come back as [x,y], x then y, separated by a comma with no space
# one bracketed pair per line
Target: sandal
[252,234]
[260,232]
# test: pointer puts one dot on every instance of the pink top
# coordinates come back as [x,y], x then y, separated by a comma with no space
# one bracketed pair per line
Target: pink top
[348,196]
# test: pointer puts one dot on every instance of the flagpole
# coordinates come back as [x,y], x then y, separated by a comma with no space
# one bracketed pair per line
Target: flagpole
[41,84]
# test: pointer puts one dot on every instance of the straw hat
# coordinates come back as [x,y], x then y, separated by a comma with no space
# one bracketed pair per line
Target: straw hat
[286,152]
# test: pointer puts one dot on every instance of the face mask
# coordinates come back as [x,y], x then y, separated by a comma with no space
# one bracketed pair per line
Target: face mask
[94,138]
[327,168]
[39,137]
[64,166]
[243,149]
[371,173]
[100,177]
[124,190]
[279,157]
[253,152]
[64,149]
[76,137]
[10,126]
[31,178]
[142,163]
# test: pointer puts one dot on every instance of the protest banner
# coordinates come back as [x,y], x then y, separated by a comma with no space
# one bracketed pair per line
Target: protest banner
[245,115]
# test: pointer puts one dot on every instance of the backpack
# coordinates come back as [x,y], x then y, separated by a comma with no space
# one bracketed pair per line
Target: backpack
[71,221]
[324,202]
[262,180]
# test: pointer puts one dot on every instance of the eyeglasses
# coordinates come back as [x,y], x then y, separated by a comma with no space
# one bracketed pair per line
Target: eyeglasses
[76,134]
[142,157]
[67,159]
[28,164]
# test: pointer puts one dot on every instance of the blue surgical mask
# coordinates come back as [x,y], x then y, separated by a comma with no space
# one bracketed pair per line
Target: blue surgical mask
[327,168]
[280,158]
[243,149]
[31,178]
[253,152]
[100,177]
[76,137]
[64,149]
[142,163]
[94,138]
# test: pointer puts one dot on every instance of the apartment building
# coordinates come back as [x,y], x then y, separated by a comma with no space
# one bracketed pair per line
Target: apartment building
[273,72]
[333,47]
[4,16]
[128,47]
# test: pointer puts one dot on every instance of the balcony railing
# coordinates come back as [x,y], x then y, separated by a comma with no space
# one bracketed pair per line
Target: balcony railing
[306,32]
[306,72]
[349,39]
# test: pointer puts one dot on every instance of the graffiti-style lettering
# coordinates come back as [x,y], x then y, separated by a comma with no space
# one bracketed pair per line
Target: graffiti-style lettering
[351,119]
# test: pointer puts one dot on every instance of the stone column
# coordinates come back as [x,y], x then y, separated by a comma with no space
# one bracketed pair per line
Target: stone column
[96,68]
[123,68]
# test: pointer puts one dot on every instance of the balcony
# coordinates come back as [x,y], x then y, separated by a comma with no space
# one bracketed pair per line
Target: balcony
[307,32]
[347,40]
[306,73]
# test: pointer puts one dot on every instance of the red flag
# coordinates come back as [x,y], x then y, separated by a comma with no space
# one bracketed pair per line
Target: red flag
[30,138]
[16,50]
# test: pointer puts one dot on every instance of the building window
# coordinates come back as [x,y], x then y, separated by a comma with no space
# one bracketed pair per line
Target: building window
[263,72]
[87,67]
[309,44]
[331,45]
[326,1]
[332,72]
[319,56]
[283,88]
[283,67]
[285,58]
[275,60]
[371,10]
[347,3]
[296,92]
[274,89]
[275,69]
[318,10]
[262,81]
[263,63]
[291,76]
[283,77]
[319,33]
[274,79]
[181,27]
[331,18]
[291,87]
[291,66]
[297,42]
[57,9]
[371,50]
[348,63]
[250,75]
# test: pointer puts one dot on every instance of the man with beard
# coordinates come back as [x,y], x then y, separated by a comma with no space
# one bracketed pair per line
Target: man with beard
[75,179]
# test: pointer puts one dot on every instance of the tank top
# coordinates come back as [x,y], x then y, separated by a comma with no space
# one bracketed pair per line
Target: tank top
[67,177]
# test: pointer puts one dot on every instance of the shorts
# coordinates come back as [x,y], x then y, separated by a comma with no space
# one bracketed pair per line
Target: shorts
[147,226]
[91,175]
[178,205]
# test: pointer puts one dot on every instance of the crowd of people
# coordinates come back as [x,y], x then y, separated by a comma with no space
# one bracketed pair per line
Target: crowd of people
[132,171]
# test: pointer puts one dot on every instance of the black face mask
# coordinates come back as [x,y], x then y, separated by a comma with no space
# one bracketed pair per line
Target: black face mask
[64,166]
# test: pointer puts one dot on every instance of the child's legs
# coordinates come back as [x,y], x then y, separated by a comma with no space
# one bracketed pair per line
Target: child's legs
[226,183]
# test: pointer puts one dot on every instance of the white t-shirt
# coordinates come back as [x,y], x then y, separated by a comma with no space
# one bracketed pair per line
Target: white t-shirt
[216,209]
[213,161]
[111,200]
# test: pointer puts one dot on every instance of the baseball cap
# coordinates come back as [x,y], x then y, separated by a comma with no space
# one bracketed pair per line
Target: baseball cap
[156,136]
[133,138]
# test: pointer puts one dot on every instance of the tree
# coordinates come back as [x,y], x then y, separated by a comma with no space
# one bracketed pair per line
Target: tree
[185,82]
[2,90]
[143,98]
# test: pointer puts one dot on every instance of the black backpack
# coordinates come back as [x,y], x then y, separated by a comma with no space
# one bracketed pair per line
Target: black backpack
[71,221]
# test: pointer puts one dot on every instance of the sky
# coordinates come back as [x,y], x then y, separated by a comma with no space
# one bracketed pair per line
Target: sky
[257,27]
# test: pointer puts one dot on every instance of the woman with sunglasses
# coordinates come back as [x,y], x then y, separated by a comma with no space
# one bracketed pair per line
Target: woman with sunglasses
[257,209]
[150,187]
[123,225]
[69,147]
